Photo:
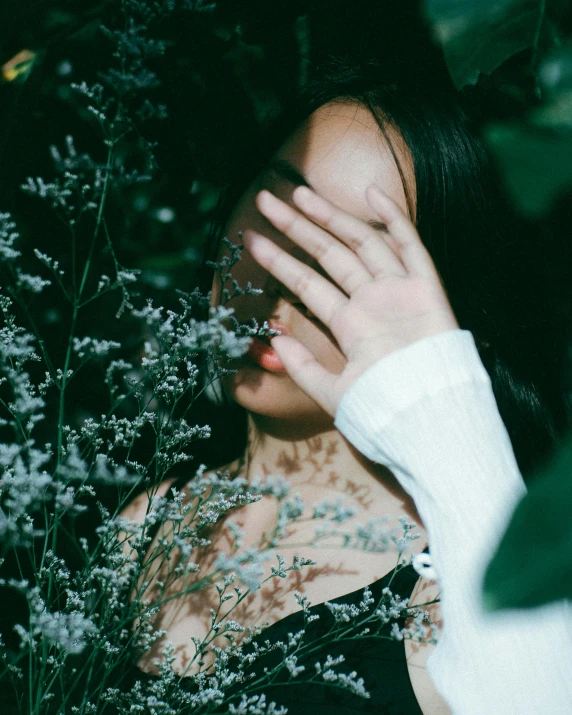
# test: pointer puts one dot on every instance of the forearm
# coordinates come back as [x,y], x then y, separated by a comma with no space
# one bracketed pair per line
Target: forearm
[429,414]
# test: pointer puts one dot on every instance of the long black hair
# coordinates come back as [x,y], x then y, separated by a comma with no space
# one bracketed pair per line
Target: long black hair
[487,258]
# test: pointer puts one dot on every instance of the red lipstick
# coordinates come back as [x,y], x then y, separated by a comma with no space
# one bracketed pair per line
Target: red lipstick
[264,354]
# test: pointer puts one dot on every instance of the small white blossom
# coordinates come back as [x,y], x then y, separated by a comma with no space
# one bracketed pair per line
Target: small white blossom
[90,347]
[34,284]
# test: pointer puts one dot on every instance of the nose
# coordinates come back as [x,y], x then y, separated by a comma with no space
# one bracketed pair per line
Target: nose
[275,290]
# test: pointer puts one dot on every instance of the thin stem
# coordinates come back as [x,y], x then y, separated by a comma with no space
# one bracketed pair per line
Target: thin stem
[536,41]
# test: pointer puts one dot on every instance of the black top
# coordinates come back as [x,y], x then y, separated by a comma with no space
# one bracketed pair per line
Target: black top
[381,663]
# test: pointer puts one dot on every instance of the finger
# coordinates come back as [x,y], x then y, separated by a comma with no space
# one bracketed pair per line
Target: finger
[306,372]
[412,252]
[343,266]
[364,240]
[318,294]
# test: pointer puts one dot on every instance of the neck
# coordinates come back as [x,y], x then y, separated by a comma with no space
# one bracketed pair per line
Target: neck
[321,464]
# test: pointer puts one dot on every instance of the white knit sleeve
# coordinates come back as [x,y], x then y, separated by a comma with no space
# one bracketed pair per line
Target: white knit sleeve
[428,412]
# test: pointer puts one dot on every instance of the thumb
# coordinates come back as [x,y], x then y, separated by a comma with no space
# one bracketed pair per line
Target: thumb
[306,371]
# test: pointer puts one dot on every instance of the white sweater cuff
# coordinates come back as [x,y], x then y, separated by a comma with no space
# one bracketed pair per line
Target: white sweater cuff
[404,377]
[428,412]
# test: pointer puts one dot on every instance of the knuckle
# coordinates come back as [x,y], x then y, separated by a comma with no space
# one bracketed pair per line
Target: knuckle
[294,225]
[355,243]
[320,251]
[301,285]
[400,226]
[338,317]
[349,280]
[273,263]
[329,219]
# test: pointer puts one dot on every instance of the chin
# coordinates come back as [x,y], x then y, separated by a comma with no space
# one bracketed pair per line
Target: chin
[272,395]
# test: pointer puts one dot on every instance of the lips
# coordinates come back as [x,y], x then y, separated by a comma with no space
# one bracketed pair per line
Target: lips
[264,355]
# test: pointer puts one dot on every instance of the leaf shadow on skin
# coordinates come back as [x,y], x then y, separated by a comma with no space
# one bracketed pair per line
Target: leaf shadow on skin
[276,595]
[310,464]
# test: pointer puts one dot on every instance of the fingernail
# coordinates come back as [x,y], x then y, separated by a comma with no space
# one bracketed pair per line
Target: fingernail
[303,192]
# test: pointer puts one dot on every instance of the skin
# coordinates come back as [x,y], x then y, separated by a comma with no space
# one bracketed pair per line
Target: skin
[345,295]
[340,151]
[370,292]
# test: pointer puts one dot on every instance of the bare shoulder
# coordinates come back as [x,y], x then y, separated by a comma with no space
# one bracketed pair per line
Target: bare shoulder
[137,509]
[430,702]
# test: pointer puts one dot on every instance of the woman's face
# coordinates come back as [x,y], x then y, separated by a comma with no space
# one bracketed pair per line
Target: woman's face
[340,151]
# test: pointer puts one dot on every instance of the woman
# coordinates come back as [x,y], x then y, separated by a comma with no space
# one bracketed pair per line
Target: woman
[374,394]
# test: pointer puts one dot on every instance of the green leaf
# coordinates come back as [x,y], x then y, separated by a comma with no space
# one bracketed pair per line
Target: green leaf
[536,164]
[18,67]
[555,72]
[555,80]
[533,564]
[535,155]
[479,35]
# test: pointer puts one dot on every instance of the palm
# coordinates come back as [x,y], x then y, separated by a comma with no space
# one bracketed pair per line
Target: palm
[387,294]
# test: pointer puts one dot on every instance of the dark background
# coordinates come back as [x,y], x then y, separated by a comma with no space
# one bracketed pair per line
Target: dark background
[223,71]
[221,74]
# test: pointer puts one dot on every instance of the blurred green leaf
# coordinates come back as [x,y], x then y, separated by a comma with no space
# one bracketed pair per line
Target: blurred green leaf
[57,18]
[533,564]
[207,198]
[18,67]
[479,35]
[555,81]
[555,71]
[535,161]
[557,113]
